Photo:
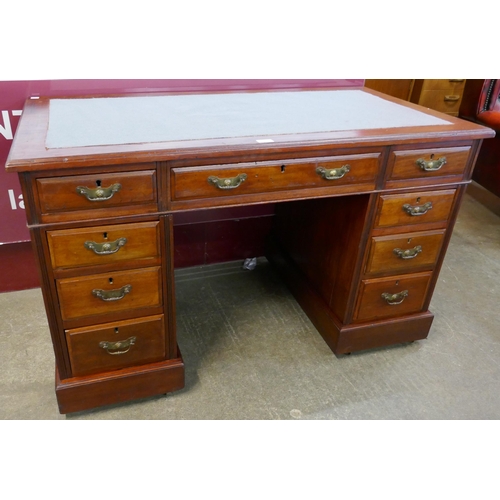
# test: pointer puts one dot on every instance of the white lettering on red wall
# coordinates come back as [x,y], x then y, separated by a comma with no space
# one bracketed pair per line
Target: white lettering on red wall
[13,202]
[6,128]
[15,199]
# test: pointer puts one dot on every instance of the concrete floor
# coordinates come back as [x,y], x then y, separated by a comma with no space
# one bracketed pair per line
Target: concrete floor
[251,353]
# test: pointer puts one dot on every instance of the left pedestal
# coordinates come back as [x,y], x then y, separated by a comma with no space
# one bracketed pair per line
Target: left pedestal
[105,256]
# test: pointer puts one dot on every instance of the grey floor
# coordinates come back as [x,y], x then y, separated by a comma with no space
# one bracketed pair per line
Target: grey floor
[251,353]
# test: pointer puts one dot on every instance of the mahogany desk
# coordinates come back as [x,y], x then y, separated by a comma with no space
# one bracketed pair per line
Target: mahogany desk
[367,189]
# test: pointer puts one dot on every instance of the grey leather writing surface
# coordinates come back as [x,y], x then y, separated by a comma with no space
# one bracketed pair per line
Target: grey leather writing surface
[131,120]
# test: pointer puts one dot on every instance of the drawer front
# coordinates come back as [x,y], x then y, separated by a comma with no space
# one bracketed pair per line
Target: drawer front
[110,292]
[249,178]
[395,296]
[404,252]
[441,100]
[456,85]
[103,244]
[423,163]
[89,192]
[116,345]
[414,208]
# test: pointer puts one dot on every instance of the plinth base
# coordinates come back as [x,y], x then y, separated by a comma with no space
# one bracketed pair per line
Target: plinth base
[85,393]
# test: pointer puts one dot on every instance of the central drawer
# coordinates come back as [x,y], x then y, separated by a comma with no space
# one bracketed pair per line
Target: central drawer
[108,293]
[261,177]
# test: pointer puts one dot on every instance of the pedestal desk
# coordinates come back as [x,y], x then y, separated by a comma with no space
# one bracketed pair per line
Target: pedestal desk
[366,191]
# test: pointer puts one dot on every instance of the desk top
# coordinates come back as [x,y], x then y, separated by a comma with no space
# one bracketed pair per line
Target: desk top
[133,120]
[66,132]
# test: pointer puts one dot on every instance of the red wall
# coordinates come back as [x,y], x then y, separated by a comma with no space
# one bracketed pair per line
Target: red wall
[16,260]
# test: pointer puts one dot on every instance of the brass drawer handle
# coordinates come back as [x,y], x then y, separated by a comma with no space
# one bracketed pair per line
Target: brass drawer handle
[110,295]
[451,98]
[417,209]
[119,347]
[99,193]
[229,182]
[105,248]
[431,165]
[411,253]
[334,173]
[457,81]
[393,299]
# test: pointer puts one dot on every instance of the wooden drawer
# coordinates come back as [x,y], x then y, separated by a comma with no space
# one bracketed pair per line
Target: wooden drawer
[103,244]
[404,252]
[111,292]
[96,191]
[414,208]
[441,100]
[259,177]
[456,85]
[426,163]
[394,296]
[116,345]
